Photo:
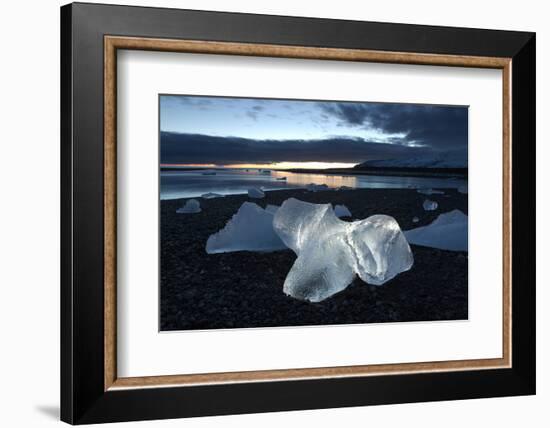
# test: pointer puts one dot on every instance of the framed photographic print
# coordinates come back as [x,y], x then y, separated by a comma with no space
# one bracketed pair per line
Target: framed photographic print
[266,213]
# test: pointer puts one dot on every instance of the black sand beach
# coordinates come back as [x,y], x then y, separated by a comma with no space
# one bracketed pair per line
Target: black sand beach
[244,289]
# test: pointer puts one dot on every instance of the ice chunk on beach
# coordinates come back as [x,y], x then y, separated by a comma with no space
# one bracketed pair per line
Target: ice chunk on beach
[211,195]
[448,231]
[271,208]
[331,252]
[462,189]
[416,219]
[256,193]
[430,191]
[380,249]
[296,221]
[325,263]
[429,205]
[325,268]
[192,206]
[250,229]
[342,211]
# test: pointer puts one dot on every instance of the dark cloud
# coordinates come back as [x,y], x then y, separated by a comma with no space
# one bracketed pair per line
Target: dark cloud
[197,148]
[439,127]
[186,100]
[254,111]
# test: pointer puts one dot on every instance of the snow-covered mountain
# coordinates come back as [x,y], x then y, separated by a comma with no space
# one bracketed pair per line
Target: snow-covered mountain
[416,162]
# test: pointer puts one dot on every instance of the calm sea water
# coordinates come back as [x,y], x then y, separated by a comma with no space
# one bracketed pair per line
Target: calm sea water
[191,184]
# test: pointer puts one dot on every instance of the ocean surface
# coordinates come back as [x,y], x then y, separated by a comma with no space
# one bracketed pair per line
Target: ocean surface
[194,183]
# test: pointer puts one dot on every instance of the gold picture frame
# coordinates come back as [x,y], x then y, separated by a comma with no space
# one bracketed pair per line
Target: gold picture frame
[114,43]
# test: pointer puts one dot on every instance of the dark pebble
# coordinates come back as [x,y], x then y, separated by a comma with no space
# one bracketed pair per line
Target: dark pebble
[244,289]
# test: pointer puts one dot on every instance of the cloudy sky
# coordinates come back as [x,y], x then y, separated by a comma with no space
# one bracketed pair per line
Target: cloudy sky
[247,131]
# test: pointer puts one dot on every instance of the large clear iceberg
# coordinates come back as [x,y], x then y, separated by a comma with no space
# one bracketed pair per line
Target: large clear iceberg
[192,206]
[271,208]
[448,231]
[250,229]
[331,252]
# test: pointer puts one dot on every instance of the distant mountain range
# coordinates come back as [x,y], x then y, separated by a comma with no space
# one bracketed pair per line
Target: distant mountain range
[417,162]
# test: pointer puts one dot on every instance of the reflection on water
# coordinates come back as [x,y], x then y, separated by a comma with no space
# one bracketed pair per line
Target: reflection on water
[302,180]
[191,184]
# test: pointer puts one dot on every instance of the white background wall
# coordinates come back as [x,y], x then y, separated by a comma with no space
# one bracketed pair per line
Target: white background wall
[29,212]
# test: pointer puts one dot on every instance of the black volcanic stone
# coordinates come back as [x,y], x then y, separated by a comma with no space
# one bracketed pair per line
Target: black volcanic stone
[244,289]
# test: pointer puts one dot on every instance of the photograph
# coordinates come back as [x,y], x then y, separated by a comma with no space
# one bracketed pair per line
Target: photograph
[291,212]
[260,214]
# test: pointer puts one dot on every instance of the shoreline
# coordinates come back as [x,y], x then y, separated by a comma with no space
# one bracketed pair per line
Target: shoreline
[303,189]
[460,173]
[244,289]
